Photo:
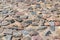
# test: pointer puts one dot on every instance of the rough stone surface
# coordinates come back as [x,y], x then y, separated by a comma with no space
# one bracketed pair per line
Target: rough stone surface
[29,19]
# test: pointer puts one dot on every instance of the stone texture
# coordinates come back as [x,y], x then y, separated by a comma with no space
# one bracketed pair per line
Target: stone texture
[29,19]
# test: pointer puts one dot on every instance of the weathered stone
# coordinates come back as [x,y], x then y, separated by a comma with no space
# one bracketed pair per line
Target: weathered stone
[14,27]
[52,26]
[37,5]
[26,38]
[17,34]
[33,13]
[4,23]
[36,37]
[30,8]
[7,31]
[34,24]
[14,38]
[43,0]
[38,0]
[25,24]
[57,23]
[24,32]
[1,30]
[47,33]
[19,20]
[42,27]
[8,37]
[24,17]
[11,21]
[40,16]
[33,33]
[30,29]
[5,11]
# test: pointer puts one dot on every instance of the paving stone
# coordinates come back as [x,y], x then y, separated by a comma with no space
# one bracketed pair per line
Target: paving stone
[29,29]
[57,23]
[33,13]
[14,27]
[5,11]
[34,24]
[30,8]
[25,25]
[24,17]
[52,26]
[43,0]
[7,31]
[17,34]
[26,38]
[14,38]
[42,27]
[32,21]
[1,30]
[19,20]
[28,22]
[33,33]
[36,37]
[37,5]
[8,37]
[47,33]
[11,21]
[40,16]
[4,23]
[38,0]
[24,32]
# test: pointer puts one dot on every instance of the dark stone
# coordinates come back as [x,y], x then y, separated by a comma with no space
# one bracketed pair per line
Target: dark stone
[18,16]
[40,16]
[19,20]
[30,8]
[11,21]
[47,33]
[28,22]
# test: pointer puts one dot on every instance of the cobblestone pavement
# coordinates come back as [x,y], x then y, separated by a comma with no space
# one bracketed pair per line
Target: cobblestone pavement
[29,19]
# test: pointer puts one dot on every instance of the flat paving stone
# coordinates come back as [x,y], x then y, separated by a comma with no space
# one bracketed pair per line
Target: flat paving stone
[8,37]
[7,31]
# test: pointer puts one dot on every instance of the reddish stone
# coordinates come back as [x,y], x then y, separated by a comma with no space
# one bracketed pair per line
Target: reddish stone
[36,37]
[46,24]
[20,13]
[57,23]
